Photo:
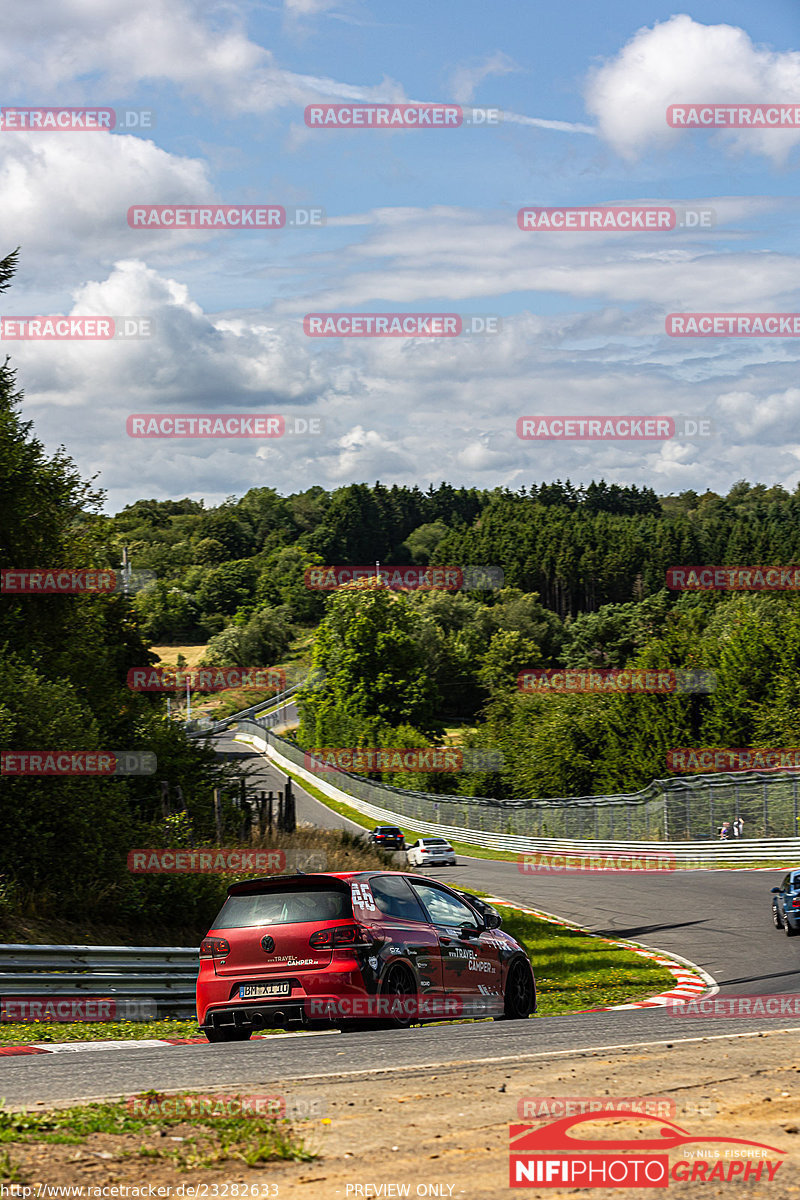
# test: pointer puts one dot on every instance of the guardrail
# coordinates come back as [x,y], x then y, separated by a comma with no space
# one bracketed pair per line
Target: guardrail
[165,976]
[353,790]
[246,713]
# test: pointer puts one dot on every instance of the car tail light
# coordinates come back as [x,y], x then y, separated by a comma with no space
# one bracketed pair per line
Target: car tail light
[340,936]
[796,902]
[214,947]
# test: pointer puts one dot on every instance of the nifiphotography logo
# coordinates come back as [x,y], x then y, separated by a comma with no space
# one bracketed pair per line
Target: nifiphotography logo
[554,1156]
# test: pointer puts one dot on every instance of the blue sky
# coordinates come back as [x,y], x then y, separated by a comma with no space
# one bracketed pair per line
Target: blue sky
[417,221]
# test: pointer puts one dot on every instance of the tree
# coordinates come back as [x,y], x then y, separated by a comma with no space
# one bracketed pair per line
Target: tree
[369,655]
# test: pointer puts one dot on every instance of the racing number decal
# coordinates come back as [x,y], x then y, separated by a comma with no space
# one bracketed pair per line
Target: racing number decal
[363,898]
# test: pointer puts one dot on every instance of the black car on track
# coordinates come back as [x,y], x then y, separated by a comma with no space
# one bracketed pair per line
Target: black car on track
[387,837]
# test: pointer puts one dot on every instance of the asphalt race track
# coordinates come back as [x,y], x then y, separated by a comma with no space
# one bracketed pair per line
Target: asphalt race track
[720,920]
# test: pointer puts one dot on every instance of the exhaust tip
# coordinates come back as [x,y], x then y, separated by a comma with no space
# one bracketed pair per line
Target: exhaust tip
[279,1018]
[257,1021]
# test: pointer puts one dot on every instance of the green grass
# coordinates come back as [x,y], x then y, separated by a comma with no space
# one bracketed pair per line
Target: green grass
[208,1140]
[18,1033]
[575,971]
[10,1172]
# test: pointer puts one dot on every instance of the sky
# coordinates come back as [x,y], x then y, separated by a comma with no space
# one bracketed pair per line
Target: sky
[567,108]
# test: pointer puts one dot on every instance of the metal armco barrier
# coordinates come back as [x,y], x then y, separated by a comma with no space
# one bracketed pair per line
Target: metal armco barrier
[165,975]
[479,821]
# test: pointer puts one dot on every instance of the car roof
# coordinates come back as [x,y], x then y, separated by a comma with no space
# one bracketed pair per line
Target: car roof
[242,886]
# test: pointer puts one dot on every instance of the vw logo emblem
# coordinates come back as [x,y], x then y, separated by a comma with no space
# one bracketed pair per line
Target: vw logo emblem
[267,944]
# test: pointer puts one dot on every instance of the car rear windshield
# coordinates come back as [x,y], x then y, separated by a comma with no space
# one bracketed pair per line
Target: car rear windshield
[283,908]
[435,842]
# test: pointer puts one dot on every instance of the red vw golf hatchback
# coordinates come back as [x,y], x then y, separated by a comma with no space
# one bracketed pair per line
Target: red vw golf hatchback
[356,950]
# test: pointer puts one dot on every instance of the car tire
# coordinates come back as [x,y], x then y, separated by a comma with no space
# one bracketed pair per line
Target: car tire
[776,917]
[519,996]
[789,929]
[398,982]
[227,1035]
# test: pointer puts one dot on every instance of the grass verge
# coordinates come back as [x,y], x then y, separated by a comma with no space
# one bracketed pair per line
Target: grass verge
[198,1135]
[575,971]
[22,1033]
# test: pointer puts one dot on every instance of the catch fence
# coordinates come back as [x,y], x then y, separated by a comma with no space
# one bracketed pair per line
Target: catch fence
[685,809]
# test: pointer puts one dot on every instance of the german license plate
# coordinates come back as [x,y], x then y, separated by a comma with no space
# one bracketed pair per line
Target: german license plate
[252,991]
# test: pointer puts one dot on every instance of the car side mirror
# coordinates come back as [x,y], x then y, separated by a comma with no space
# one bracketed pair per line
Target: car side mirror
[492,920]
[775,889]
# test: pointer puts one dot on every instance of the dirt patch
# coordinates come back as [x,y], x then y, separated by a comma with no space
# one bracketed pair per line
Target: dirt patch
[446,1132]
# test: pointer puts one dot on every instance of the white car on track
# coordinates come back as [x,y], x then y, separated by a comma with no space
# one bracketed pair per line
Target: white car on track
[431,852]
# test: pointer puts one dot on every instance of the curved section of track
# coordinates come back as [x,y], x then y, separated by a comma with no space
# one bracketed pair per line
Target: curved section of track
[719,920]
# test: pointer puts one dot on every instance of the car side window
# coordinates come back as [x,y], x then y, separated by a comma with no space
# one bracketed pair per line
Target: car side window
[442,908]
[785,884]
[395,898]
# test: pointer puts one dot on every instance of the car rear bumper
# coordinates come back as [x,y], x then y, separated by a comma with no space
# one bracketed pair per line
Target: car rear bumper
[218,1001]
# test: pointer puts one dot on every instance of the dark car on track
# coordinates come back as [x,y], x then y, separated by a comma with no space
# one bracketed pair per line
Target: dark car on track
[365,949]
[388,837]
[786,904]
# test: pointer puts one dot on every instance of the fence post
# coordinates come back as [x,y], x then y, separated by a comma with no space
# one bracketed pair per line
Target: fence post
[711,809]
[270,799]
[794,804]
[244,808]
[218,814]
[289,819]
[766,808]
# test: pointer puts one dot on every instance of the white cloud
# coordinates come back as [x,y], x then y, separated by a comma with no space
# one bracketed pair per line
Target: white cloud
[681,61]
[66,196]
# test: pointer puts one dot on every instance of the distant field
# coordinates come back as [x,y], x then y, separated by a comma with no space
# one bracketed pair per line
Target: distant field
[169,654]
